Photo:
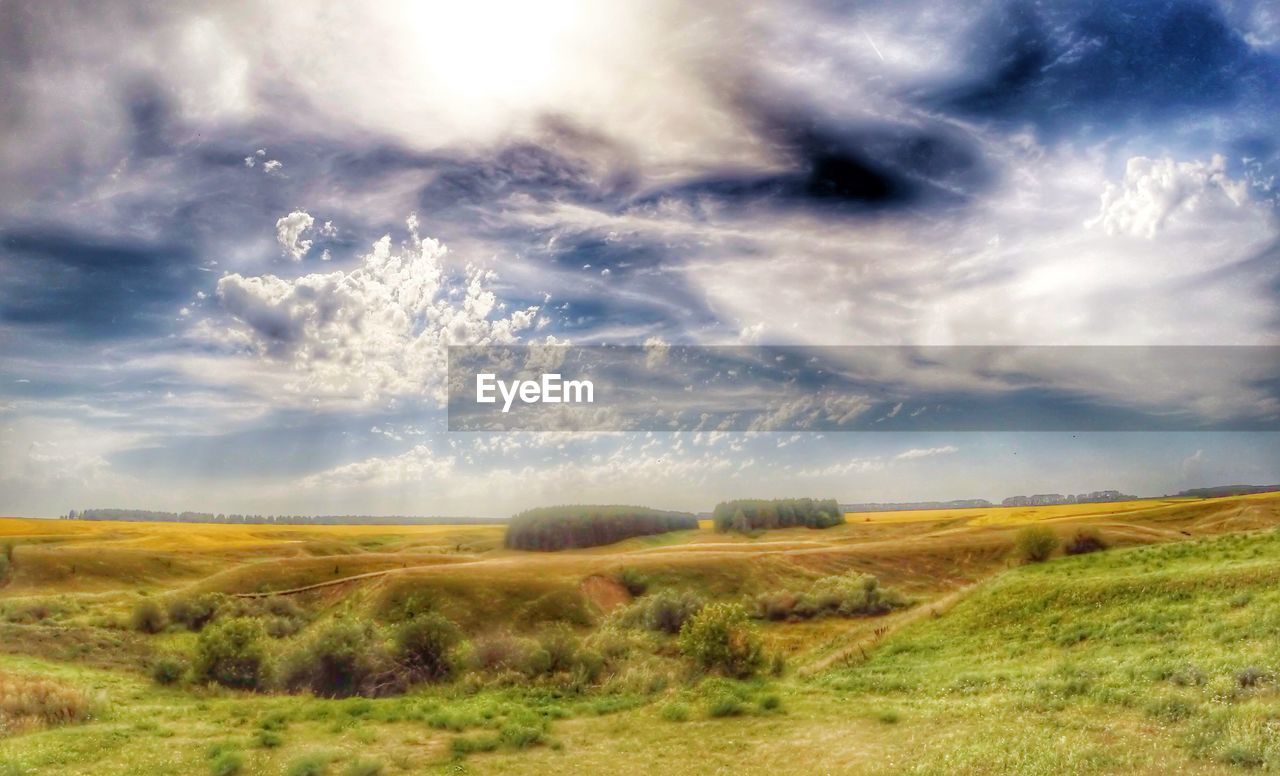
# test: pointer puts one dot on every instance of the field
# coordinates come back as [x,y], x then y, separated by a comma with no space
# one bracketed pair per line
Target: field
[1157,654]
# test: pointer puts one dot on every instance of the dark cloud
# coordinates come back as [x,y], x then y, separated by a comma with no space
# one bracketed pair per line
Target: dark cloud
[85,287]
[1084,68]
[844,169]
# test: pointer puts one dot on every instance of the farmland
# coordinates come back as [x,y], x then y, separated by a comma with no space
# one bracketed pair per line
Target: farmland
[1156,654]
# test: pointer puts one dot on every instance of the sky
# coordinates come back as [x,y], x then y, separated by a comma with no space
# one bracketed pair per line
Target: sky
[237,238]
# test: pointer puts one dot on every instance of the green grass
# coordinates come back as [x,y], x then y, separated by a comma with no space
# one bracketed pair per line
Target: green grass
[1156,659]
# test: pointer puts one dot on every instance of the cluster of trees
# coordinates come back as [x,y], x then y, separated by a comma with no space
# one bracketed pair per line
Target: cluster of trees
[148,515]
[565,527]
[745,515]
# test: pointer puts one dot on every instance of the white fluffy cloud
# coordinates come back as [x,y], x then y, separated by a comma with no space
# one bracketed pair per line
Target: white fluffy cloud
[417,465]
[1154,191]
[289,231]
[376,332]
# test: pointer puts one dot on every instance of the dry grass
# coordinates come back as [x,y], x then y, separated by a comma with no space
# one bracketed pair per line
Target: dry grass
[31,702]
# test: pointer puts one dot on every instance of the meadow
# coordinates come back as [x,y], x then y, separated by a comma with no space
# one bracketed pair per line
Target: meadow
[1156,650]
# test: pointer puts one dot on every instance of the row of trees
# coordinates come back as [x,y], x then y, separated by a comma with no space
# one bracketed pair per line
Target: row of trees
[745,515]
[565,527]
[148,515]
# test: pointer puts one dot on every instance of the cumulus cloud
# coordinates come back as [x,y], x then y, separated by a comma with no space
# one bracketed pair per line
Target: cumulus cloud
[376,332]
[289,231]
[656,352]
[1153,191]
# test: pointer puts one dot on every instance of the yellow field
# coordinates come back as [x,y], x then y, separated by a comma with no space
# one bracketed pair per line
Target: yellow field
[1014,515]
[69,595]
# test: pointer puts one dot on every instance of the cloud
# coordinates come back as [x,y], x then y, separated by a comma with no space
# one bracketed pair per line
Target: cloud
[1153,191]
[417,466]
[925,452]
[289,231]
[656,352]
[376,332]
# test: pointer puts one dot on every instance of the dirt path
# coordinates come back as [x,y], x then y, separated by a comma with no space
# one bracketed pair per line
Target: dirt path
[860,649]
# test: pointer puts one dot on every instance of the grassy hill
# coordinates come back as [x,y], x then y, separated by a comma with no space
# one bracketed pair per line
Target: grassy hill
[1158,655]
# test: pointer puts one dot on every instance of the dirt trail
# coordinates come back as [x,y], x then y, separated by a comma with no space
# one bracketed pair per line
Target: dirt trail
[860,649]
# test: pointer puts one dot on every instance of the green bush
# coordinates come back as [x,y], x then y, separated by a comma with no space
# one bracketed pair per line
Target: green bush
[424,646]
[725,705]
[312,764]
[196,611]
[148,616]
[363,766]
[268,739]
[674,712]
[1036,543]
[666,611]
[844,595]
[342,659]
[635,582]
[168,669]
[230,653]
[227,763]
[721,637]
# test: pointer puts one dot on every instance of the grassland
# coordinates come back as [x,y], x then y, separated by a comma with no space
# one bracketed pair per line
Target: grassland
[1159,655]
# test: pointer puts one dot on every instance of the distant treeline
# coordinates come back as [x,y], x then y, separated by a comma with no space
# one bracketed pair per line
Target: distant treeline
[907,506]
[1228,490]
[762,514]
[1055,499]
[148,515]
[565,527]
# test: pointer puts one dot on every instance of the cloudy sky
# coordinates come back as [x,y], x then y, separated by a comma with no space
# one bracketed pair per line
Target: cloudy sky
[235,238]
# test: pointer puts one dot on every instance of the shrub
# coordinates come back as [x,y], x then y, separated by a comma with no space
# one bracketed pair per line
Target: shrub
[667,611]
[635,582]
[31,701]
[500,652]
[1036,543]
[1250,677]
[148,617]
[226,763]
[720,637]
[196,611]
[231,653]
[342,659]
[770,702]
[424,646]
[168,669]
[268,739]
[845,595]
[312,764]
[363,766]
[519,736]
[674,712]
[725,705]
[1084,541]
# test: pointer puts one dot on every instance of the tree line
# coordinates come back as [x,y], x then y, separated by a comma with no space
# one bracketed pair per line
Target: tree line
[565,527]
[745,515]
[154,516]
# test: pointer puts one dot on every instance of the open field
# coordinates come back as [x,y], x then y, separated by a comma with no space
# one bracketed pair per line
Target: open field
[1159,654]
